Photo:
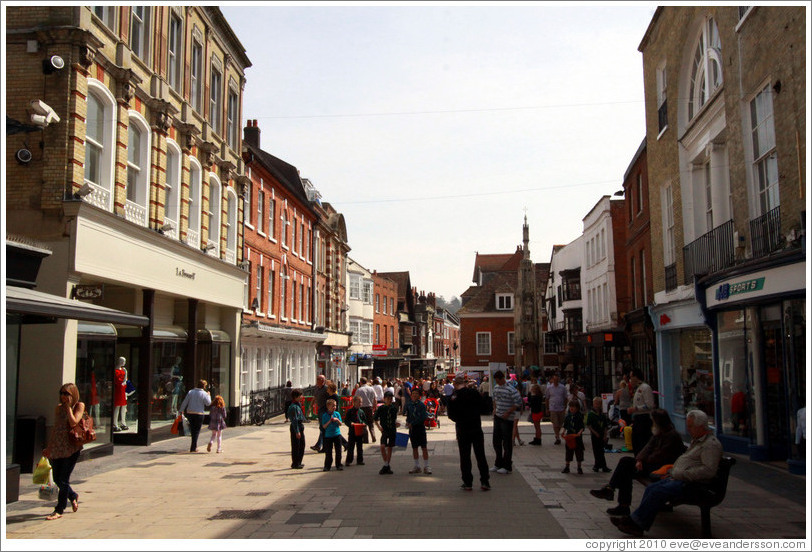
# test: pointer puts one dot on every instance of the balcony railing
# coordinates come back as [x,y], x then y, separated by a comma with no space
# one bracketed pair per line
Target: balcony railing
[671,277]
[709,253]
[136,213]
[193,237]
[765,233]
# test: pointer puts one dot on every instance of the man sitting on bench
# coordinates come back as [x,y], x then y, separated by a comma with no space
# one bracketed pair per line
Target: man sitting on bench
[697,465]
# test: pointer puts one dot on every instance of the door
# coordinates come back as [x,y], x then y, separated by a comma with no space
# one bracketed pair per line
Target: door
[776,396]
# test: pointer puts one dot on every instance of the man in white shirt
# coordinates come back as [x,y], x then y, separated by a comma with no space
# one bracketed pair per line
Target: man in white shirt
[378,388]
[368,402]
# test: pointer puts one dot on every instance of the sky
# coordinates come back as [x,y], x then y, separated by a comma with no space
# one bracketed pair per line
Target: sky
[434,128]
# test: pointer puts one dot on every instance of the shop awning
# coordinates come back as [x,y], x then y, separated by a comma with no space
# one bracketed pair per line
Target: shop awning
[36,303]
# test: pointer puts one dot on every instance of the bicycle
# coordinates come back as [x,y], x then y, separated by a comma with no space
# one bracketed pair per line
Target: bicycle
[258,411]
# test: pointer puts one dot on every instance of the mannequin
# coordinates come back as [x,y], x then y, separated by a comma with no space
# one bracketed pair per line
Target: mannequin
[120,395]
[177,388]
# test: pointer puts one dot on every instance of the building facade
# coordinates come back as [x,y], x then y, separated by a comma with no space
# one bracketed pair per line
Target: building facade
[565,310]
[725,115]
[386,344]
[361,315]
[279,342]
[136,189]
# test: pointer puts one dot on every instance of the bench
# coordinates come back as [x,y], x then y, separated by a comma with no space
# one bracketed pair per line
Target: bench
[706,495]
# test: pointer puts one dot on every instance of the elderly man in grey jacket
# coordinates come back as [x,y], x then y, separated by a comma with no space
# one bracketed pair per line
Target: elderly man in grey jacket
[698,464]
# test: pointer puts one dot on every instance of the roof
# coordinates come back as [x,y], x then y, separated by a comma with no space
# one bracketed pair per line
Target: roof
[401,279]
[495,263]
[29,302]
[284,172]
[483,298]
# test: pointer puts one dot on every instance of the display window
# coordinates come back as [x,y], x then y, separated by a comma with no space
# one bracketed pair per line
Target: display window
[214,363]
[95,361]
[737,402]
[693,382]
[168,386]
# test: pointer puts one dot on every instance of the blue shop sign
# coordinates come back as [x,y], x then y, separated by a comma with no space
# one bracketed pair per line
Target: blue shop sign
[724,291]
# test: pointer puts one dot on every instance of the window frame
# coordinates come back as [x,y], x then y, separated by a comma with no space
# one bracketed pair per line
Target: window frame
[216,99]
[707,55]
[511,345]
[233,118]
[174,52]
[196,76]
[480,346]
[103,190]
[504,301]
[215,216]
[172,190]
[766,193]
[141,182]
[140,47]
[195,220]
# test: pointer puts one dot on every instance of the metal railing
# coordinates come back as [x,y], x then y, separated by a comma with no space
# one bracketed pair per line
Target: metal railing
[765,233]
[709,253]
[274,402]
[671,277]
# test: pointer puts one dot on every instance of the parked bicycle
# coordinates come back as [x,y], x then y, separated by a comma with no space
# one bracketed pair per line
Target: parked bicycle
[258,410]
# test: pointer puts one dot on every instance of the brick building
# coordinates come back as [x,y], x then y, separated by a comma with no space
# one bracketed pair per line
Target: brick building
[637,322]
[725,123]
[278,338]
[136,189]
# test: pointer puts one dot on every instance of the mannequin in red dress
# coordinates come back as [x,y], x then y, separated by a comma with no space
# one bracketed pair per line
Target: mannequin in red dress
[120,395]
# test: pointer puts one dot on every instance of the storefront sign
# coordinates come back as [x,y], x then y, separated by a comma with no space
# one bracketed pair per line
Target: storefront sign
[183,274]
[88,292]
[726,290]
[379,350]
[664,319]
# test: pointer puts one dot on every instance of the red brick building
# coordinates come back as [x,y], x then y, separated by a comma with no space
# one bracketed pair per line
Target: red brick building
[278,337]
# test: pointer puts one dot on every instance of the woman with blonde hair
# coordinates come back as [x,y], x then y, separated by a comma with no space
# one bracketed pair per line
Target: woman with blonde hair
[62,452]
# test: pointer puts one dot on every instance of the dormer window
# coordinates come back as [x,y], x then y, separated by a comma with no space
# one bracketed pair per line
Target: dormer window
[504,301]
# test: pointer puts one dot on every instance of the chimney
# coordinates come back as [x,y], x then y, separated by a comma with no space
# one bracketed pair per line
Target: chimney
[251,133]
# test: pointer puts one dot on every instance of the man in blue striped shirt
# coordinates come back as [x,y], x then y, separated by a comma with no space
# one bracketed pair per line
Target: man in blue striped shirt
[506,400]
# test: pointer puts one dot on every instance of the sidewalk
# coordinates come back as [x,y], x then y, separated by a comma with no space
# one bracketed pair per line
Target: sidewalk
[165,492]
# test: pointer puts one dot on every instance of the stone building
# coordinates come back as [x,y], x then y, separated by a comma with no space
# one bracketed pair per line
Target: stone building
[725,91]
[125,161]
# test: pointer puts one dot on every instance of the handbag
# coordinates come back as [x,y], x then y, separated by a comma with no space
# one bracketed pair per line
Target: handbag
[129,389]
[186,429]
[176,423]
[41,472]
[83,431]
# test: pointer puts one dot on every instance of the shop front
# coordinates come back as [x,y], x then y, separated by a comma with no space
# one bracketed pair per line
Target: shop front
[684,360]
[758,320]
[604,352]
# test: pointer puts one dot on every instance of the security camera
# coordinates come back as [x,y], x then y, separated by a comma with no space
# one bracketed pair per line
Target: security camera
[42,114]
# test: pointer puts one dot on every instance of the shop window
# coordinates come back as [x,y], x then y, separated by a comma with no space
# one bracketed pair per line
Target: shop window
[737,398]
[168,386]
[214,363]
[95,357]
[693,384]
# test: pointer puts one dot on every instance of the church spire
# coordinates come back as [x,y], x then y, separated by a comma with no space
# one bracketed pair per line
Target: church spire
[526,238]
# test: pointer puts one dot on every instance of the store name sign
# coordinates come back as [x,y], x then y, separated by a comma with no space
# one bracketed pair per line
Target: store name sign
[724,291]
[183,274]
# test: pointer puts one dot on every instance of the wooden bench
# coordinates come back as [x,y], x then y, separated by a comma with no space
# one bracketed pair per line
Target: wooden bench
[706,495]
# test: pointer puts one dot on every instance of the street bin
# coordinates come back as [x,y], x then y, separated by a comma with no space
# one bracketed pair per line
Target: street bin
[29,440]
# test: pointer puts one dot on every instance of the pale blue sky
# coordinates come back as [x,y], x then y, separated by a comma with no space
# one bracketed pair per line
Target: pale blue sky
[432,128]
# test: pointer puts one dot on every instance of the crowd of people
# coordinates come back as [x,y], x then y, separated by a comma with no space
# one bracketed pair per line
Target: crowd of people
[659,452]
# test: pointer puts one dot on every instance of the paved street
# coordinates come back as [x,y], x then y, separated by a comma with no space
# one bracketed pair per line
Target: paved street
[165,492]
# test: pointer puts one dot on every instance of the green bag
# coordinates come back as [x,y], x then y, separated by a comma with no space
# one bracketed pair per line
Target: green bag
[41,472]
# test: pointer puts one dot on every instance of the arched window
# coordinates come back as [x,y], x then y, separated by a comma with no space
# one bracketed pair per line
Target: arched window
[135,208]
[195,202]
[231,226]
[215,208]
[706,71]
[99,144]
[172,188]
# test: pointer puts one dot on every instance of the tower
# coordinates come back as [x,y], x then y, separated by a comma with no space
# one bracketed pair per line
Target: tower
[526,309]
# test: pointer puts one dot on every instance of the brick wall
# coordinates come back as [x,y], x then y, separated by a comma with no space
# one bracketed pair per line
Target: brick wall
[498,327]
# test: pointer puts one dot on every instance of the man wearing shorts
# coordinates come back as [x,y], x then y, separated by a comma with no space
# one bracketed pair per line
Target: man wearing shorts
[416,415]
[386,419]
[556,399]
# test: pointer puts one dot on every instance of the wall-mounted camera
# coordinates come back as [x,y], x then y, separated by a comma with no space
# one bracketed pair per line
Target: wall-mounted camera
[52,64]
[42,114]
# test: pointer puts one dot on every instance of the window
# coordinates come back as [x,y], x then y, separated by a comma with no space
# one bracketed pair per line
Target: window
[384,305]
[355,286]
[572,290]
[643,276]
[633,271]
[391,337]
[377,334]
[639,193]
[258,296]
[378,302]
[765,161]
[511,346]
[301,300]
[355,330]
[285,225]
[483,343]
[708,199]
[231,226]
[662,99]
[260,211]
[138,147]
[367,292]
[216,100]
[271,285]
[107,14]
[175,62]
[272,218]
[603,244]
[293,303]
[196,77]
[215,207]
[295,228]
[233,120]
[706,73]
[307,245]
[283,288]
[99,139]
[366,333]
[630,203]
[195,202]
[172,187]
[504,301]
[668,225]
[140,31]
[392,306]
[743,10]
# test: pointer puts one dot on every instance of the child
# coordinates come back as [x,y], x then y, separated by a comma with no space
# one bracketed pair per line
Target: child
[331,422]
[297,421]
[416,416]
[598,424]
[574,425]
[357,416]
[386,419]
[536,403]
[217,423]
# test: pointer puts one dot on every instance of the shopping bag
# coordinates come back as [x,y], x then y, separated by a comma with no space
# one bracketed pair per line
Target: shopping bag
[48,491]
[186,429]
[41,472]
[176,423]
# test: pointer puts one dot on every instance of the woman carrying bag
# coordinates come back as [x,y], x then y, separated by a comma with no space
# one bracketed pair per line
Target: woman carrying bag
[61,450]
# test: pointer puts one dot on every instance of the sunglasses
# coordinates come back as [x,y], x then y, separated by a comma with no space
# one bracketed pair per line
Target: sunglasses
[64,393]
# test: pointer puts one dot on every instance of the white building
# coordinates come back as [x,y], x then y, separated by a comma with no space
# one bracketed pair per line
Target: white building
[360,312]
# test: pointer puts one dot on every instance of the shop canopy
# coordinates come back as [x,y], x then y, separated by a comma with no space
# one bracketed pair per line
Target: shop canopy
[36,306]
